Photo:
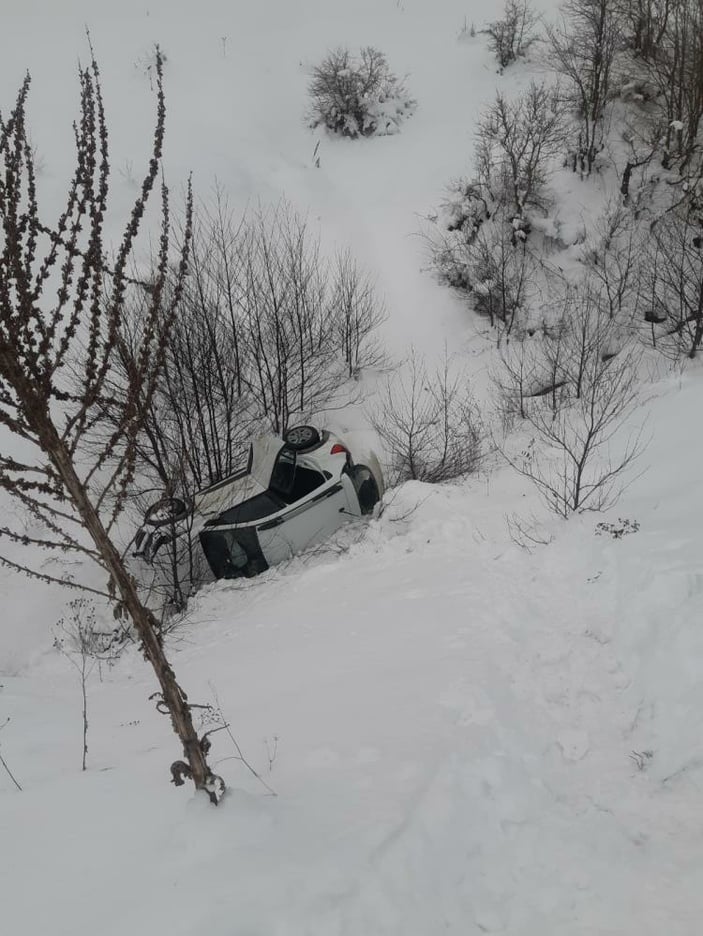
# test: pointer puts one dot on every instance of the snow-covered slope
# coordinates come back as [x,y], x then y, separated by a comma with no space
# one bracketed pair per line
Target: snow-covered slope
[458,728]
[464,736]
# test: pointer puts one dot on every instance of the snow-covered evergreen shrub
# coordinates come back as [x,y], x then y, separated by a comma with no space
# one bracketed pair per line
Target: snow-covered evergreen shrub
[358,96]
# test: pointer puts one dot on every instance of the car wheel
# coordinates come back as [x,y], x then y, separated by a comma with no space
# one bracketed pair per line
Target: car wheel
[301,437]
[366,488]
[166,511]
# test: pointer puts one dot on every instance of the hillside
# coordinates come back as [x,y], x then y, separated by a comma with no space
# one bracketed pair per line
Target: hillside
[463,734]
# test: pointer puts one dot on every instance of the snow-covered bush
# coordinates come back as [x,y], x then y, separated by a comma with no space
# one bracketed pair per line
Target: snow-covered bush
[477,241]
[464,209]
[511,36]
[478,248]
[454,229]
[358,96]
[429,424]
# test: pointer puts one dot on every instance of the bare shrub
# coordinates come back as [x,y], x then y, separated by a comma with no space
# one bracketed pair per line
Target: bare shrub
[527,533]
[512,35]
[429,424]
[85,645]
[357,96]
[532,369]
[590,392]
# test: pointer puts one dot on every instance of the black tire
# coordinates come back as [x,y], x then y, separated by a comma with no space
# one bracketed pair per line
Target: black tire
[166,511]
[299,438]
[366,488]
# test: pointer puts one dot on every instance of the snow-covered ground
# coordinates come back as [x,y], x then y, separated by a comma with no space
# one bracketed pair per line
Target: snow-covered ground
[464,736]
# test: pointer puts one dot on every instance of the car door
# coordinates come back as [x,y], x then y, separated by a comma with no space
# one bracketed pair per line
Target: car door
[309,521]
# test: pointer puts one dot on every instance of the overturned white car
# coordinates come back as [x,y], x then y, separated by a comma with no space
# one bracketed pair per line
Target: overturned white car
[295,492]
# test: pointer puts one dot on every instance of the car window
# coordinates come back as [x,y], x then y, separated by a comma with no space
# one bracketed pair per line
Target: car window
[292,480]
[225,555]
[283,474]
[231,553]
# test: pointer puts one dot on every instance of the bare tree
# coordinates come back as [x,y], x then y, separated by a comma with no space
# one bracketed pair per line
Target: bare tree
[573,464]
[583,46]
[289,330]
[429,424]
[516,142]
[357,315]
[644,23]
[197,428]
[512,35]
[61,308]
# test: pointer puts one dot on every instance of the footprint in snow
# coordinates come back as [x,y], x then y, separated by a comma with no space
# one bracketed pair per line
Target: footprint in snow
[574,744]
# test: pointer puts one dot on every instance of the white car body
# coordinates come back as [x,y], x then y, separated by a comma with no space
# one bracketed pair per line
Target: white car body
[288,499]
